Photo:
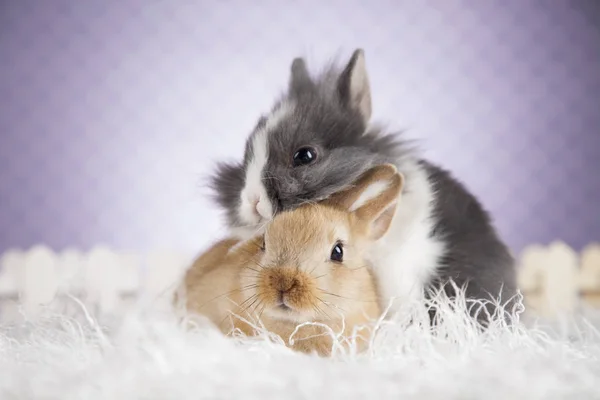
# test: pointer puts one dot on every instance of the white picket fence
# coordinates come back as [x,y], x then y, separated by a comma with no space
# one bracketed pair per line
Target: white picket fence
[102,279]
[554,278]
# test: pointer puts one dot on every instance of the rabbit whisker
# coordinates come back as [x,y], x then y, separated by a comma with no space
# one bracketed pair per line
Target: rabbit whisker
[252,269]
[325,292]
[249,299]
[261,311]
[323,311]
[258,264]
[251,304]
[320,311]
[332,305]
[242,289]
[249,276]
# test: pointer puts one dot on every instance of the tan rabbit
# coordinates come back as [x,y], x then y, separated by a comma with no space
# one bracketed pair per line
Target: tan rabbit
[307,267]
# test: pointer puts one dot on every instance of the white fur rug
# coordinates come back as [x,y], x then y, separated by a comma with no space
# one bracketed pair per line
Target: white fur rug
[148,356]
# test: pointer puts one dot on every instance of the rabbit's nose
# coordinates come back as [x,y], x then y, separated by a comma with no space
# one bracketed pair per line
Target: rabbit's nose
[252,199]
[259,205]
[254,204]
[263,208]
[284,283]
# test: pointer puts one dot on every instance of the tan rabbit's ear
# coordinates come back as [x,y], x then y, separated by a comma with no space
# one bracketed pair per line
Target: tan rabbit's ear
[373,198]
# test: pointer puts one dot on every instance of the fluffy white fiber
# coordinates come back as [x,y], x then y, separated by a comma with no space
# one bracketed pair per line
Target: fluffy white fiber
[149,356]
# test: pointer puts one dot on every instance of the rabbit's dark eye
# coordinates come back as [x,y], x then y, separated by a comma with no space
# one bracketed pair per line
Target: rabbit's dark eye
[337,253]
[304,156]
[263,244]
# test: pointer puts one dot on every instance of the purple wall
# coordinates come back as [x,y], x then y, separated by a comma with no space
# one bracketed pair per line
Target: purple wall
[112,112]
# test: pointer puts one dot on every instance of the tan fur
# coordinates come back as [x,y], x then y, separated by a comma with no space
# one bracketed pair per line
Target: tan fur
[229,283]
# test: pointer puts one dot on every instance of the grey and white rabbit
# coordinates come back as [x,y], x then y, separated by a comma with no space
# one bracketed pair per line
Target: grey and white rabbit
[317,140]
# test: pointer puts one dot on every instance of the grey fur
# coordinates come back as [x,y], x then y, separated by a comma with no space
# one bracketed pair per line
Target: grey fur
[475,257]
[323,117]
[300,77]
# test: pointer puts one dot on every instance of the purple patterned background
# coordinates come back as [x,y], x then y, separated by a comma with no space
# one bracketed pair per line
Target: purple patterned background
[112,112]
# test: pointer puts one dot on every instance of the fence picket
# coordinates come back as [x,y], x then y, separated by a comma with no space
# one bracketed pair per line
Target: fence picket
[70,274]
[589,282]
[530,278]
[162,276]
[129,273]
[38,282]
[561,279]
[101,276]
[11,263]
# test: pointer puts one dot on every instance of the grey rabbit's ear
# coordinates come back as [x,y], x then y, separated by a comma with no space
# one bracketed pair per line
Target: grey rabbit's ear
[353,85]
[299,78]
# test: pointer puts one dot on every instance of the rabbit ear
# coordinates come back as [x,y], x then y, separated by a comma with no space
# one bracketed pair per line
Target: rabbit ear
[353,85]
[373,198]
[378,212]
[299,78]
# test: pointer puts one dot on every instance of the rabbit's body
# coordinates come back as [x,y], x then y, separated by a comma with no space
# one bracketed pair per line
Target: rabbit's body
[213,288]
[308,267]
[317,140]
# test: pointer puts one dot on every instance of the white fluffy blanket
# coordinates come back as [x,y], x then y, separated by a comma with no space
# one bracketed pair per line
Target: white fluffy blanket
[148,356]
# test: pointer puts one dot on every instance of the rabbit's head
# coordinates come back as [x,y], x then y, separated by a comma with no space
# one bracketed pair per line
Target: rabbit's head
[314,143]
[311,262]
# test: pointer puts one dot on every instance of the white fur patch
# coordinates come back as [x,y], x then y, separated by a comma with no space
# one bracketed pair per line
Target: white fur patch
[255,206]
[405,259]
